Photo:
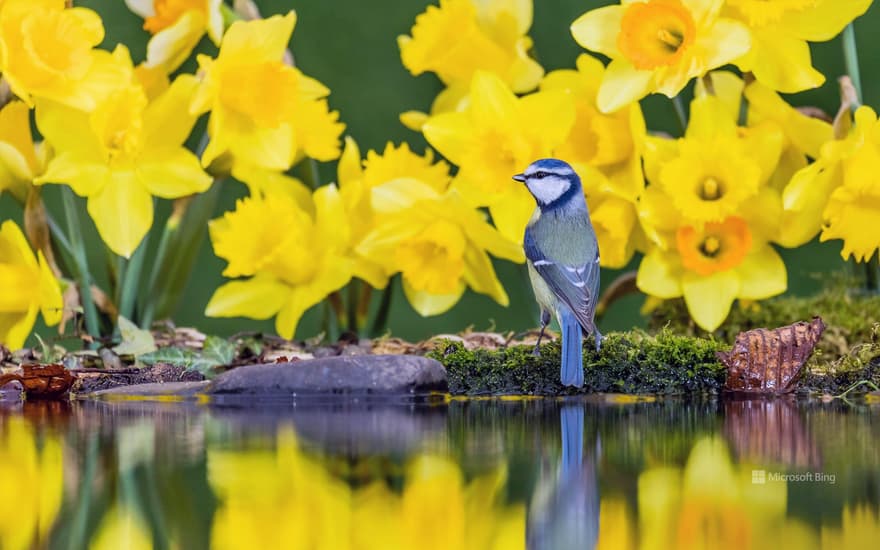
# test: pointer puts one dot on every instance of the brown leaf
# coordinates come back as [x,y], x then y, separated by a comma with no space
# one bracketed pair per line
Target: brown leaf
[770,361]
[849,101]
[770,431]
[42,381]
[36,226]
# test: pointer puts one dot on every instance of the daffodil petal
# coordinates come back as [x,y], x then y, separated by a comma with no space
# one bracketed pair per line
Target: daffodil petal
[450,134]
[16,327]
[622,85]
[427,304]
[511,213]
[330,219]
[83,175]
[492,102]
[259,297]
[709,298]
[729,40]
[551,115]
[480,276]
[172,173]
[597,30]
[68,130]
[762,274]
[261,38]
[167,120]
[823,20]
[783,63]
[349,168]
[171,46]
[659,275]
[122,212]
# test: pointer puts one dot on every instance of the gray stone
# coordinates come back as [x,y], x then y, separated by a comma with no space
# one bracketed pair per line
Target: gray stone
[359,375]
[183,390]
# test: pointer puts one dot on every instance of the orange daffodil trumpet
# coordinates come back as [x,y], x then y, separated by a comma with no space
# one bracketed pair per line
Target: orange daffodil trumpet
[263,112]
[779,55]
[658,45]
[176,27]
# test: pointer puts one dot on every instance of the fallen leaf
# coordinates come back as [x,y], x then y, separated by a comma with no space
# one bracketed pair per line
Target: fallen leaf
[42,381]
[135,341]
[770,361]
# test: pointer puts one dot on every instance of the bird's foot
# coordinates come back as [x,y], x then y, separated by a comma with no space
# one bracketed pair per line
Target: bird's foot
[537,350]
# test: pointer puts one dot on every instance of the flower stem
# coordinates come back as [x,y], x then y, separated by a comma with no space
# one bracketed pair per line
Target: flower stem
[351,306]
[872,273]
[380,322]
[680,112]
[131,279]
[851,58]
[83,277]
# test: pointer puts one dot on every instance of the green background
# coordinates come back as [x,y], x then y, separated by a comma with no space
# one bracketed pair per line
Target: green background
[350,45]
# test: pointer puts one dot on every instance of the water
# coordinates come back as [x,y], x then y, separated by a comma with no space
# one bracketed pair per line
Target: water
[609,472]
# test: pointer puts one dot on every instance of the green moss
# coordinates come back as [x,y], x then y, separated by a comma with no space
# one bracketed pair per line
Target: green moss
[629,362]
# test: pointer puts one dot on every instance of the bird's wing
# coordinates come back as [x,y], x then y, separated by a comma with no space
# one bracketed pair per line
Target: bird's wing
[576,285]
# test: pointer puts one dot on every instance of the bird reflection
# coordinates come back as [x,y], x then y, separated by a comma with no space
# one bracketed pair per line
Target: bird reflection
[564,510]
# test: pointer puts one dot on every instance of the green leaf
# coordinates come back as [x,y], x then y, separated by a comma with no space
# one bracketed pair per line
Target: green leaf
[217,352]
[135,341]
[179,357]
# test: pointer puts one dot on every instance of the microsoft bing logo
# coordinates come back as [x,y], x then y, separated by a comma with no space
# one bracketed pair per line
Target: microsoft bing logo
[759,477]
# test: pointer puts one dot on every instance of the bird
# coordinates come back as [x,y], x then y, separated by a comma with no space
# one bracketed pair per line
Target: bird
[563,259]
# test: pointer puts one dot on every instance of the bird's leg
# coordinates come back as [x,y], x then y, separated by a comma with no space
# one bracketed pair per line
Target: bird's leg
[545,320]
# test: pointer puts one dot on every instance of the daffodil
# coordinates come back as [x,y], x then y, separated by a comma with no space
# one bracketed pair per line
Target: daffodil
[122,154]
[293,259]
[710,503]
[843,185]
[263,112]
[658,45]
[437,242]
[494,138]
[47,51]
[605,150]
[177,26]
[31,483]
[357,178]
[29,287]
[121,526]
[779,56]
[459,37]
[20,159]
[711,266]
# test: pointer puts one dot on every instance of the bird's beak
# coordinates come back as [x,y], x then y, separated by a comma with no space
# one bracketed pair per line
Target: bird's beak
[520,178]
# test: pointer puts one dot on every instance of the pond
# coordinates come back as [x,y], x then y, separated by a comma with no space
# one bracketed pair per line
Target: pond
[606,471]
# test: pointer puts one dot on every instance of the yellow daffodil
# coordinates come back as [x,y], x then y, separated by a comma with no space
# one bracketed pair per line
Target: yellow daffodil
[711,503]
[459,37]
[779,56]
[31,484]
[263,112]
[494,138]
[47,51]
[20,159]
[843,185]
[29,287]
[177,26]
[294,259]
[616,525]
[437,242]
[717,170]
[658,45]
[605,150]
[123,153]
[711,266]
[358,178]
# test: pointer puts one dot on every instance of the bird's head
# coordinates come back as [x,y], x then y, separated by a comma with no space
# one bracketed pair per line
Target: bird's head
[552,182]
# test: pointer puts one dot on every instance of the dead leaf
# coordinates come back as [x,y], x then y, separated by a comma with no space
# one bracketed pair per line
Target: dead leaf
[770,361]
[42,381]
[770,431]
[135,341]
[849,101]
[36,227]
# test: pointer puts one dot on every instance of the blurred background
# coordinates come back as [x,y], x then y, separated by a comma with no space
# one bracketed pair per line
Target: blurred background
[351,46]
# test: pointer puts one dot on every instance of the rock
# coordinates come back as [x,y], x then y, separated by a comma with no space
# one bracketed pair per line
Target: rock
[359,375]
[183,390]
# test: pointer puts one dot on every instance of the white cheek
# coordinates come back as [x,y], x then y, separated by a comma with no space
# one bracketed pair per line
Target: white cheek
[549,189]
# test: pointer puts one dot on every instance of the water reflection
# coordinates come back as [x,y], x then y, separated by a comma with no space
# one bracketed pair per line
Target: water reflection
[541,474]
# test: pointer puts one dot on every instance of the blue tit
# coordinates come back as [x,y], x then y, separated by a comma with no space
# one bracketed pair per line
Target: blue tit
[563,259]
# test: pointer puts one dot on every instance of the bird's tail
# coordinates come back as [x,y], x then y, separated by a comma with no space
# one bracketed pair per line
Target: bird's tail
[572,373]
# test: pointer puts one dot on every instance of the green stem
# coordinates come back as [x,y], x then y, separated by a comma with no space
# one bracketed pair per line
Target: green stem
[354,288]
[131,279]
[230,16]
[851,58]
[680,112]
[83,277]
[872,272]
[380,323]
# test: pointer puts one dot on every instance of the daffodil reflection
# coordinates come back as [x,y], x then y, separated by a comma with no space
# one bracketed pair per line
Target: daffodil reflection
[31,484]
[286,498]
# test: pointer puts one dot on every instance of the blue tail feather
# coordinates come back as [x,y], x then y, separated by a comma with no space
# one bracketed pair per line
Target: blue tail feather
[572,373]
